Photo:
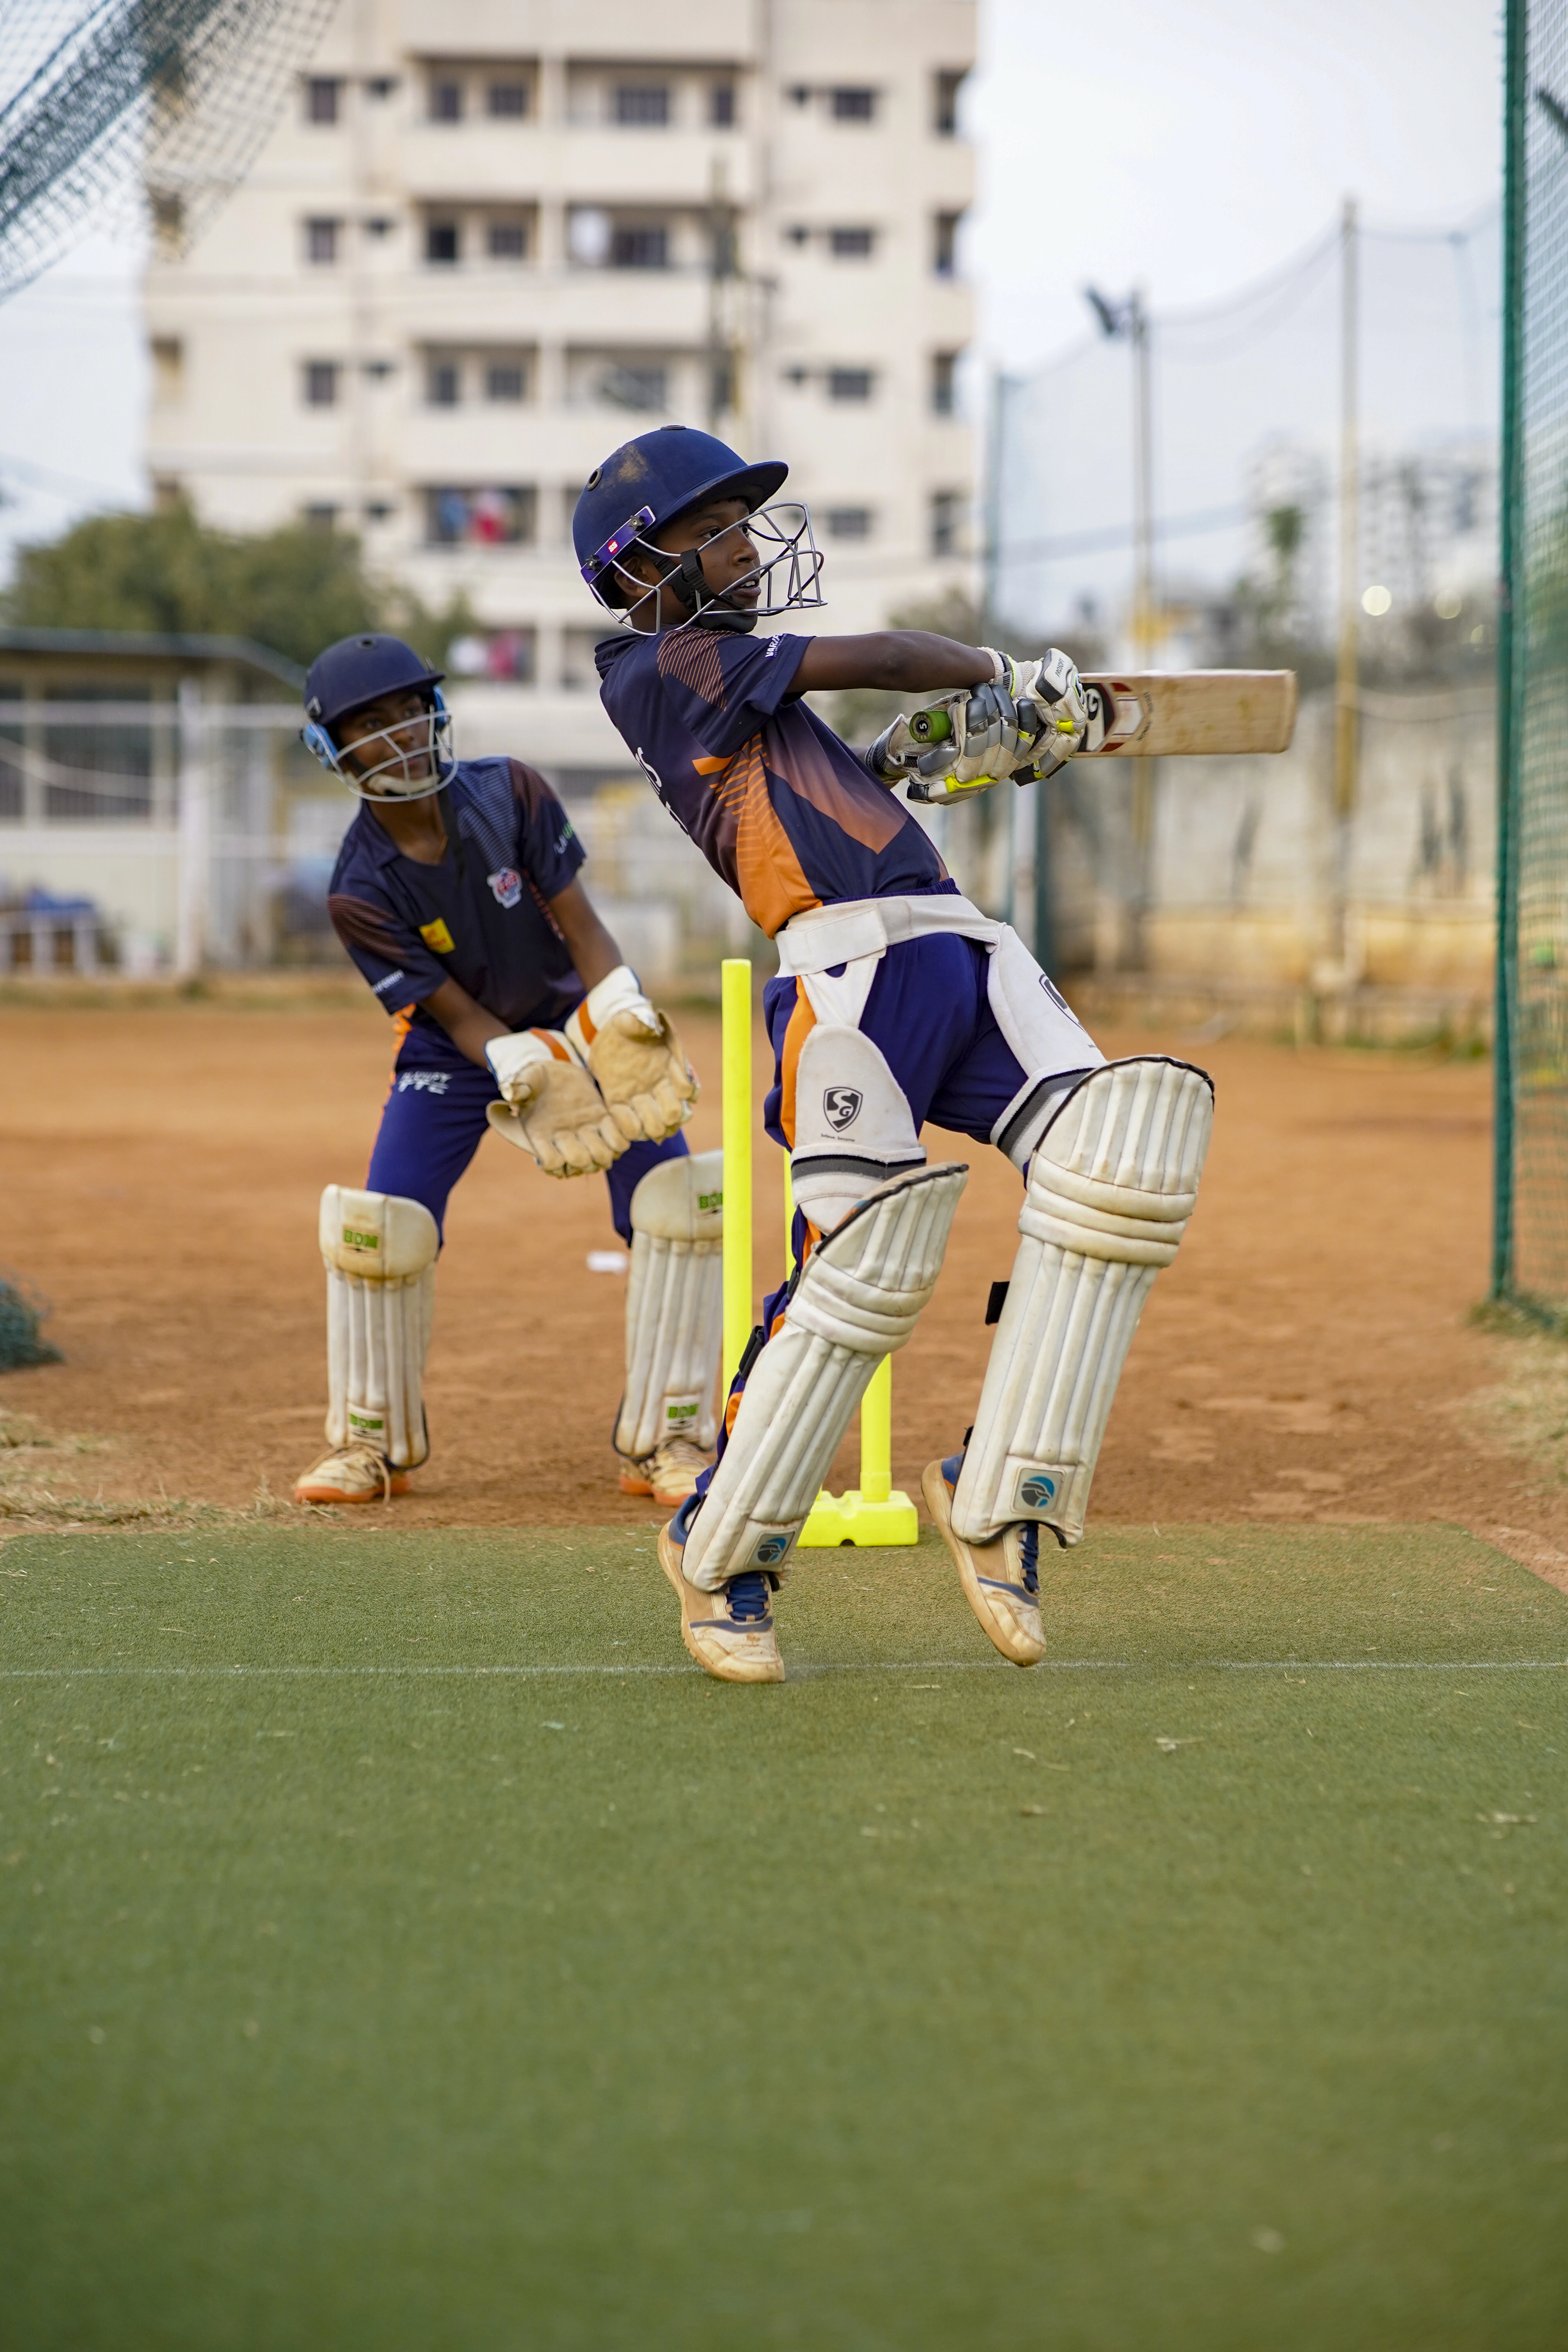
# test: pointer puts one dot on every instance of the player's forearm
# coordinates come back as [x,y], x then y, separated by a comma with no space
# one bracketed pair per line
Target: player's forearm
[594,952]
[469,1025]
[900,661]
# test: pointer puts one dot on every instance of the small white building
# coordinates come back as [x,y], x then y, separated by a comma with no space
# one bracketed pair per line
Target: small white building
[492,238]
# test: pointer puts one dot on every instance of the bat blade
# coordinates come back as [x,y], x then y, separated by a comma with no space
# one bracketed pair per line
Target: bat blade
[1163,714]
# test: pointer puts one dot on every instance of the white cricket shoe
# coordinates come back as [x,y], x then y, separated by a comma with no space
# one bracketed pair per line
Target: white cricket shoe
[1001,1580]
[355,1473]
[669,1474]
[729,1632]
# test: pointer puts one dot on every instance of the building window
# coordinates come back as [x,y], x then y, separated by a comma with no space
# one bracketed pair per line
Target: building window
[507,241]
[852,105]
[635,387]
[322,99]
[443,384]
[642,246]
[642,103]
[849,522]
[508,101]
[946,509]
[168,367]
[848,383]
[721,105]
[321,241]
[944,244]
[446,101]
[943,371]
[442,241]
[321,516]
[503,380]
[850,243]
[944,104]
[320,384]
[491,517]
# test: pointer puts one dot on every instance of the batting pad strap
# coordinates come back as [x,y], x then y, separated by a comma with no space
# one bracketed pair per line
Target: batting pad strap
[674,1306]
[858,1297]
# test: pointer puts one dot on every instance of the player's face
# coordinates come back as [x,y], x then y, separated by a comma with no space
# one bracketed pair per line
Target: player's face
[398,725]
[729,553]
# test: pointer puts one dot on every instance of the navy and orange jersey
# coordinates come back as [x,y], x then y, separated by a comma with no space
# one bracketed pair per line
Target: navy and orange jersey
[483,920]
[778,804]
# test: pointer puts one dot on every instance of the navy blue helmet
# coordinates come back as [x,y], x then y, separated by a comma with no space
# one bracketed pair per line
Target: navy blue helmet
[655,480]
[404,762]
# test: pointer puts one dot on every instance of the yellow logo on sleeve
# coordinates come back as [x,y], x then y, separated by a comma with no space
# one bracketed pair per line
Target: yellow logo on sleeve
[436,935]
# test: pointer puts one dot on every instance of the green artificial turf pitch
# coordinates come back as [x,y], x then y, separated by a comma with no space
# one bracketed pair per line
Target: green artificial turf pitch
[404,1948]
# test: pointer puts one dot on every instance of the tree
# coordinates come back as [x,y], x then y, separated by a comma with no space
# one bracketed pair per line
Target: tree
[295,589]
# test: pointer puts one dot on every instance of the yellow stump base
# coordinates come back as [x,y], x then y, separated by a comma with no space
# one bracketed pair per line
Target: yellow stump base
[853,1518]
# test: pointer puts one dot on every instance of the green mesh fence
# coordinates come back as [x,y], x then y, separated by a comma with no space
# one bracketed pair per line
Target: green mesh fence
[1530,1263]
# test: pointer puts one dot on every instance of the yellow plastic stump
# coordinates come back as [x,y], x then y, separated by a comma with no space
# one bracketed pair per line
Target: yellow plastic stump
[873,1512]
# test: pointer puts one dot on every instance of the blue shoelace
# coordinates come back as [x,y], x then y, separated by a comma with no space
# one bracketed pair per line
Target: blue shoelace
[748,1597]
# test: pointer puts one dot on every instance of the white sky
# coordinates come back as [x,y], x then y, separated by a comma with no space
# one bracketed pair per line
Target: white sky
[1187,148]
[1190,145]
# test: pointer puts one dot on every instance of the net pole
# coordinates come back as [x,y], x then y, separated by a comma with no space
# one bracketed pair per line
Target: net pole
[1346,669]
[735,1011]
[1516,79]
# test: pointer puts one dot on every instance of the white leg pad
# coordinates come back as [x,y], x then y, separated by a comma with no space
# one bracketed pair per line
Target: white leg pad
[853,1125]
[675,1306]
[1112,1183]
[858,1300]
[379,1251]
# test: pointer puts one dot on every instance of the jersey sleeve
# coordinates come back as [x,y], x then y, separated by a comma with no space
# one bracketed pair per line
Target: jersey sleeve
[396,963]
[548,847]
[726,686]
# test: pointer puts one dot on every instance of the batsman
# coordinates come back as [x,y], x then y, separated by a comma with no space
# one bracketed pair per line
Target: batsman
[897,1000]
[456,894]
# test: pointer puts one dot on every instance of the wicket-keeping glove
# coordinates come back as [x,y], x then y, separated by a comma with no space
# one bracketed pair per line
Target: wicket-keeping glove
[632,1049]
[550,1106]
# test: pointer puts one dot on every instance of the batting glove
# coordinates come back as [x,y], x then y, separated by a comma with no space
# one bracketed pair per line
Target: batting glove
[550,1106]
[1052,710]
[635,1058]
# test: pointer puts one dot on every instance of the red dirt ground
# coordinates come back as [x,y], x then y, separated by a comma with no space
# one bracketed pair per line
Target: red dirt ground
[1305,1356]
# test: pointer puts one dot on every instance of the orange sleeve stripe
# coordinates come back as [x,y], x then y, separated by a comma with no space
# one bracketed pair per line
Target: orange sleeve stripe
[556,1045]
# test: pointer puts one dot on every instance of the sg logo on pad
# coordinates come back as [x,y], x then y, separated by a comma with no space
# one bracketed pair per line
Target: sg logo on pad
[841,1106]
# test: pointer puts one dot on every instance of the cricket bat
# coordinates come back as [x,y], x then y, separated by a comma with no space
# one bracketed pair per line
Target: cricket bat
[1167,714]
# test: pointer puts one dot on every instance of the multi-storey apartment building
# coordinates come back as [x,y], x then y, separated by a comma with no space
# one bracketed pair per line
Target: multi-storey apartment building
[491,239]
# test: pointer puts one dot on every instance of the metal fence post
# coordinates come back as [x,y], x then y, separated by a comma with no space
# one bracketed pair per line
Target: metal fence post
[1511,643]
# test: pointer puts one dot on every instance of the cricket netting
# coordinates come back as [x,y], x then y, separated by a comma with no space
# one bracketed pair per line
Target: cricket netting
[1530,1261]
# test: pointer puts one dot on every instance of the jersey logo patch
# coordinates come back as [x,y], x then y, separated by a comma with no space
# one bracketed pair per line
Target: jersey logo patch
[507,885]
[841,1106]
[436,936]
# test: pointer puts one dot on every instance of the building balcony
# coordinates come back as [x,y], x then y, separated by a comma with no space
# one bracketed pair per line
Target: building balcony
[592,163]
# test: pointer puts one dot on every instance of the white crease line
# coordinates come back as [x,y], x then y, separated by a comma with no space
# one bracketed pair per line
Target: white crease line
[832,1667]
